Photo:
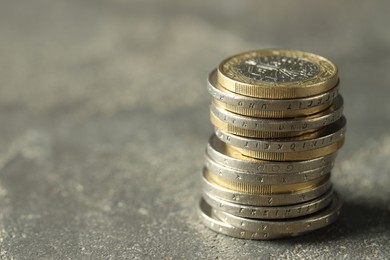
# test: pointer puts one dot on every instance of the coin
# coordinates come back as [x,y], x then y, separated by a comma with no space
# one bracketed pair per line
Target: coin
[265,178]
[277,74]
[321,219]
[324,118]
[224,155]
[269,108]
[274,113]
[293,156]
[274,212]
[224,126]
[303,224]
[264,189]
[273,128]
[324,137]
[215,224]
[263,200]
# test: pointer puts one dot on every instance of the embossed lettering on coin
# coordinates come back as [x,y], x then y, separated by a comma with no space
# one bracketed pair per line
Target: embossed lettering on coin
[277,69]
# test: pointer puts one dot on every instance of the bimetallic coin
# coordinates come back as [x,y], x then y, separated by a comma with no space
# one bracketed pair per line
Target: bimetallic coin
[276,212]
[324,118]
[292,156]
[224,155]
[269,108]
[263,200]
[277,74]
[288,226]
[324,137]
[265,178]
[264,189]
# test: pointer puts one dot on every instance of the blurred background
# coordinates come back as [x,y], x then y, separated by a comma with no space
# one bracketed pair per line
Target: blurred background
[104,121]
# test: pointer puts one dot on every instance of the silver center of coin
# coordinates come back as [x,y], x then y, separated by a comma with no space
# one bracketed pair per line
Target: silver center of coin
[277,69]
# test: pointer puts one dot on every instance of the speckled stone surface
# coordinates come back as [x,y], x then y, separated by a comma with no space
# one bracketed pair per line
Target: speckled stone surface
[104,121]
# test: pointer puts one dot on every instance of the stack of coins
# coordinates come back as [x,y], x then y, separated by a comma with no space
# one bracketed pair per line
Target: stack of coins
[278,125]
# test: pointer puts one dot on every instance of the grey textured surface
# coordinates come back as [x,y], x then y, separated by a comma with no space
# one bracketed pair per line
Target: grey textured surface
[104,121]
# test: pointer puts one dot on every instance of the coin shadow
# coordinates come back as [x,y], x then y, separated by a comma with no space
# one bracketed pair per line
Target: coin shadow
[356,218]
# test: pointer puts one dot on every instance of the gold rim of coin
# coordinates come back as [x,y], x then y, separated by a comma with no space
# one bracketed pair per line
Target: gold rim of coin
[321,74]
[274,113]
[290,156]
[264,189]
[254,133]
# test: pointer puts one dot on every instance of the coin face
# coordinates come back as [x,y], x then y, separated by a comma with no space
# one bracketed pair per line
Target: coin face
[277,68]
[277,74]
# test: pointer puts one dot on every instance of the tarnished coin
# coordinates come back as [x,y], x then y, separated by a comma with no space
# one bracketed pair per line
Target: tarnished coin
[232,174]
[277,74]
[273,128]
[268,108]
[275,212]
[263,200]
[224,155]
[303,224]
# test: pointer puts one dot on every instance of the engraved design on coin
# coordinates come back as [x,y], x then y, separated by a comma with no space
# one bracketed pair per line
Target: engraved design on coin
[277,69]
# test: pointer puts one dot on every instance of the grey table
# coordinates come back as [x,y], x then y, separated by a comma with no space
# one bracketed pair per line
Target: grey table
[104,121]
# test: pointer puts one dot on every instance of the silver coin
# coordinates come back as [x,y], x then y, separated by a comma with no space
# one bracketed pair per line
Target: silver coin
[215,224]
[230,98]
[321,138]
[275,212]
[217,151]
[265,178]
[264,200]
[314,221]
[324,118]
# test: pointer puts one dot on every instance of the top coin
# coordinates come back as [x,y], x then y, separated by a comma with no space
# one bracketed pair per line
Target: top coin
[277,74]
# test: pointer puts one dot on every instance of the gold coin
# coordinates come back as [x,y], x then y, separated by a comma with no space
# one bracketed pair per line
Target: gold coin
[253,133]
[277,74]
[290,156]
[275,113]
[264,189]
